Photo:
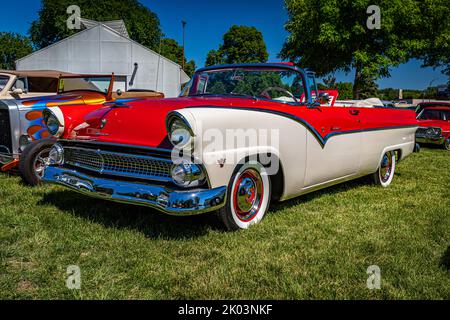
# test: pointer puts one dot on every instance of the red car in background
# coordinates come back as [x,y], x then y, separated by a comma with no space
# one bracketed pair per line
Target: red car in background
[434,122]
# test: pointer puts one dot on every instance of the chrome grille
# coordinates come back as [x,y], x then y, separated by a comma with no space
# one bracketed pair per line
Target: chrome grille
[429,132]
[421,132]
[5,132]
[120,164]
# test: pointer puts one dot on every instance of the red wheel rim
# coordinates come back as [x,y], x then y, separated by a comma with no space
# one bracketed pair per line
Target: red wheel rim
[248,195]
[386,167]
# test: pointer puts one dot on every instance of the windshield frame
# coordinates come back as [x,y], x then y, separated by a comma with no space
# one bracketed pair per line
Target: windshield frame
[196,79]
[110,77]
[441,113]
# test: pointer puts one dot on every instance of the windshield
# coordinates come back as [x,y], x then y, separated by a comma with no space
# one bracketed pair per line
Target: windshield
[430,114]
[3,82]
[98,84]
[282,85]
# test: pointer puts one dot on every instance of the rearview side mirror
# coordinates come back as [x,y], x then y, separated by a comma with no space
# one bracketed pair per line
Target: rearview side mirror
[324,98]
[18,91]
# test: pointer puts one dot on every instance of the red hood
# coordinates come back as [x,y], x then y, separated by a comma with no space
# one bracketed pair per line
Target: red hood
[134,124]
[444,125]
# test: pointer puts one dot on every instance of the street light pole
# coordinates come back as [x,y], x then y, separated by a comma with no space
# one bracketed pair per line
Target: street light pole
[183,23]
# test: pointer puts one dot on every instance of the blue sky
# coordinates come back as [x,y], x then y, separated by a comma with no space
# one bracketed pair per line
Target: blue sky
[208,20]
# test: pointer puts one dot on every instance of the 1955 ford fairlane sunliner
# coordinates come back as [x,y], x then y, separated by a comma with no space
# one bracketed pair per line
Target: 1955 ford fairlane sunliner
[237,137]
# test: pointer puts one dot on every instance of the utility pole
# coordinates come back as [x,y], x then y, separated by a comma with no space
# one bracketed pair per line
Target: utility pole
[183,23]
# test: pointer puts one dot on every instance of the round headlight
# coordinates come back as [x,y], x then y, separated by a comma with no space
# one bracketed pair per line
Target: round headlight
[24,141]
[187,175]
[56,155]
[180,134]
[54,125]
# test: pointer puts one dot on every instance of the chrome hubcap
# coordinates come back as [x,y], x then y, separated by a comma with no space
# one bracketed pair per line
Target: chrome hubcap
[386,167]
[41,162]
[248,195]
[447,144]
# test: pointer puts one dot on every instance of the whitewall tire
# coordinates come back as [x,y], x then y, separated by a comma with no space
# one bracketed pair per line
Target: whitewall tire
[386,170]
[248,200]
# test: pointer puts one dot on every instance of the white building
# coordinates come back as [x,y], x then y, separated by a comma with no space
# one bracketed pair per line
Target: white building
[104,48]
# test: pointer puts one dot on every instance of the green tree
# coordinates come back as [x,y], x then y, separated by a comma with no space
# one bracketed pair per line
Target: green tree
[241,44]
[213,58]
[331,35]
[12,47]
[431,31]
[345,89]
[172,50]
[51,26]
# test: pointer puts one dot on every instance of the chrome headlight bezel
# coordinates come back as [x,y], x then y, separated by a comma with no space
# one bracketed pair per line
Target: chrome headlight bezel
[56,155]
[187,175]
[179,131]
[53,122]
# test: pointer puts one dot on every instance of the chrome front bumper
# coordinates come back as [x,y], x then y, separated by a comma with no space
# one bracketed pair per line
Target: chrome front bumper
[169,201]
[430,140]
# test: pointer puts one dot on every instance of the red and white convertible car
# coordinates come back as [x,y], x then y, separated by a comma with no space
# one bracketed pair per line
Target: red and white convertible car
[239,136]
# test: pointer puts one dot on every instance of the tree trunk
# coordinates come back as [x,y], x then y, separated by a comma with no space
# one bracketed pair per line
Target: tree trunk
[357,82]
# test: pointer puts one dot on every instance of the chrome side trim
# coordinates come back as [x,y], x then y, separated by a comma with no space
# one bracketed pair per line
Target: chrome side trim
[321,140]
[169,201]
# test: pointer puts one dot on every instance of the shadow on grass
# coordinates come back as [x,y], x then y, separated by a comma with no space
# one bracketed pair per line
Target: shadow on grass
[150,222]
[445,260]
[335,189]
[154,224]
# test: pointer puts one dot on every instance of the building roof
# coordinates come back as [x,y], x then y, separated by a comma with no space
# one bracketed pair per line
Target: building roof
[117,25]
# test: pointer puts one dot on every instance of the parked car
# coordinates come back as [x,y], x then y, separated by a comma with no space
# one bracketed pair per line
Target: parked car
[27,84]
[235,139]
[434,122]
[23,134]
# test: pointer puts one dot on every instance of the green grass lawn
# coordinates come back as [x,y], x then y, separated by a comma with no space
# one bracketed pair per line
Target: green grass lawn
[317,246]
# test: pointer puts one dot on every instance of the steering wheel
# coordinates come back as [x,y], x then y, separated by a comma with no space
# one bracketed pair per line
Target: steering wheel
[266,94]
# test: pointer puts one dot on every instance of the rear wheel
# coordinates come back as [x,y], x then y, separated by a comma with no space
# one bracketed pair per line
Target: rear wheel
[447,144]
[249,197]
[386,171]
[34,160]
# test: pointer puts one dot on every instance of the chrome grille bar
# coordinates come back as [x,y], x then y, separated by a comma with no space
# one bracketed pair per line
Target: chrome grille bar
[119,164]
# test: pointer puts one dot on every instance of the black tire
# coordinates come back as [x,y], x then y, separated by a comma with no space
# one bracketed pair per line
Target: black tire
[386,171]
[447,144]
[260,199]
[29,158]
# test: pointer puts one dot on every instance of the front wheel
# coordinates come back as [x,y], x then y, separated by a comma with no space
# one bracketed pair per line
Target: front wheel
[249,197]
[386,170]
[34,160]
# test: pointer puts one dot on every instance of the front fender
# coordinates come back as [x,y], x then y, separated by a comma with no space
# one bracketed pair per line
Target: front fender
[225,137]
